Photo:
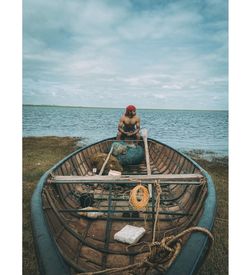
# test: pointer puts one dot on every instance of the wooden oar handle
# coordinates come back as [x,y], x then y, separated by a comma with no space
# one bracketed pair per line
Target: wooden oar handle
[147,156]
[106,160]
[144,134]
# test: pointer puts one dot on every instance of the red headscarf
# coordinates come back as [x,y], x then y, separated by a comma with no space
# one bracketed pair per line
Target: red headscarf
[130,108]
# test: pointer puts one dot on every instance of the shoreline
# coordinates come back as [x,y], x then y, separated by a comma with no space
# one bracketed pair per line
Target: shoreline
[40,153]
[210,156]
[196,153]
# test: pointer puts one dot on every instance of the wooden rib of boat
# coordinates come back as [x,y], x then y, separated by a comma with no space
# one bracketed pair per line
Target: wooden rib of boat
[68,242]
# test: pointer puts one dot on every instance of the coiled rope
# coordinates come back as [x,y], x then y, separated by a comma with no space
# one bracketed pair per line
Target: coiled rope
[142,192]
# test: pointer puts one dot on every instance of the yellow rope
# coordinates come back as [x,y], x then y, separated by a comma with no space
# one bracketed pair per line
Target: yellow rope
[144,198]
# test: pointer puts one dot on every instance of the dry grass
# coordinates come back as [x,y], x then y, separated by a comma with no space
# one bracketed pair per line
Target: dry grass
[39,154]
[217,260]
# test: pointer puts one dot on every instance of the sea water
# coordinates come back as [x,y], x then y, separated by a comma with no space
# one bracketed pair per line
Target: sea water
[184,130]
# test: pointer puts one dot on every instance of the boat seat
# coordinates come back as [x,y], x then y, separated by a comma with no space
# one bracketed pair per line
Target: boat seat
[178,178]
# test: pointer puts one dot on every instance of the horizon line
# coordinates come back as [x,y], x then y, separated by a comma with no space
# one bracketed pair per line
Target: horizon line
[98,107]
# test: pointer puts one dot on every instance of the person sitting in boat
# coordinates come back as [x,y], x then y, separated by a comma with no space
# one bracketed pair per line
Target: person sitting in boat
[129,124]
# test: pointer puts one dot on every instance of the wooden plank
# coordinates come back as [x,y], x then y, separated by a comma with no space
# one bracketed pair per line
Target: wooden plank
[169,169]
[125,178]
[145,140]
[175,163]
[106,161]
[157,153]
[81,167]
[162,157]
[87,154]
[85,162]
[147,155]
[166,160]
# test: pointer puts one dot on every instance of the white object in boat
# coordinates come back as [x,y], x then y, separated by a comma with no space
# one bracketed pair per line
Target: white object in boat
[129,234]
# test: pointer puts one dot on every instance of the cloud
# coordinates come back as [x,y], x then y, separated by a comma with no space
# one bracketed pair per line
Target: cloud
[145,50]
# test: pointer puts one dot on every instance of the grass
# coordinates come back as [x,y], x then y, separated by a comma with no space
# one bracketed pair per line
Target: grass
[217,260]
[40,153]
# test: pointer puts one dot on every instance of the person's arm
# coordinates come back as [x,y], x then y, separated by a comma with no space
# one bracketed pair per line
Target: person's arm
[120,127]
[137,128]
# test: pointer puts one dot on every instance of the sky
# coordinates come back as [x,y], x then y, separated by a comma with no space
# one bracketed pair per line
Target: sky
[170,54]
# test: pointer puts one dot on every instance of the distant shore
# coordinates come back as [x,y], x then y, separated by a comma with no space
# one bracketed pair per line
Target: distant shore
[102,107]
[40,153]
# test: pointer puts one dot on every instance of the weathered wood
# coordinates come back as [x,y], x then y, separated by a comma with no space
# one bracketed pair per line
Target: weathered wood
[166,161]
[145,139]
[144,136]
[106,161]
[179,213]
[124,178]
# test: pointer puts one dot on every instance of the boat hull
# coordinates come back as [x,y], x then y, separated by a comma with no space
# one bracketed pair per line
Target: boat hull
[51,258]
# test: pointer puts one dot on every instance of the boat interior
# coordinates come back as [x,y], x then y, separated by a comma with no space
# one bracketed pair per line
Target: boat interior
[84,210]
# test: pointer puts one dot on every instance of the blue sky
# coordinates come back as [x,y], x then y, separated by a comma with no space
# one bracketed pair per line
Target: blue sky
[153,54]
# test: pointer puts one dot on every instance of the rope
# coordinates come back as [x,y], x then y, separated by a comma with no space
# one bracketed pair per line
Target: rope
[163,252]
[133,199]
[203,181]
[157,203]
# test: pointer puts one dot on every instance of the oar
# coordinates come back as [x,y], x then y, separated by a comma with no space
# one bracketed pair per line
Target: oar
[144,134]
[106,160]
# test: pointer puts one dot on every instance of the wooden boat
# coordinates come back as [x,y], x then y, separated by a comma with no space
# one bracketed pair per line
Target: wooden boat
[68,242]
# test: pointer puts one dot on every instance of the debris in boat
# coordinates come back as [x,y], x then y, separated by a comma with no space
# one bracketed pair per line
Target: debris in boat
[92,215]
[114,173]
[126,215]
[119,148]
[128,154]
[79,189]
[134,214]
[86,200]
[129,234]
[99,158]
